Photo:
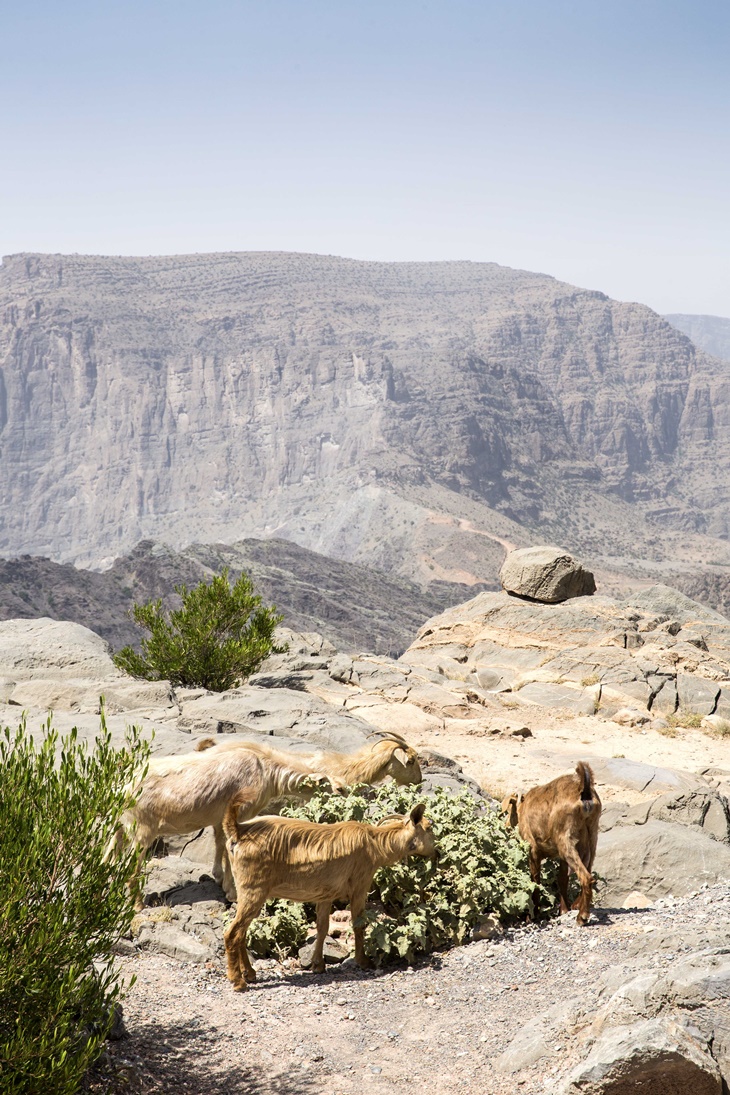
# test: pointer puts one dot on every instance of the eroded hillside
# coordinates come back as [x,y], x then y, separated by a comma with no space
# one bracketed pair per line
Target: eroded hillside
[413,416]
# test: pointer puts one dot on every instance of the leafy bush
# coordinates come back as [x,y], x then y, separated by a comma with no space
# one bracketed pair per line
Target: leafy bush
[61,906]
[420,904]
[217,638]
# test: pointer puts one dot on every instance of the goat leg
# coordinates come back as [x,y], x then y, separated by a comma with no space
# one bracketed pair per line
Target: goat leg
[357,907]
[573,860]
[323,922]
[535,862]
[563,872]
[240,970]
[222,872]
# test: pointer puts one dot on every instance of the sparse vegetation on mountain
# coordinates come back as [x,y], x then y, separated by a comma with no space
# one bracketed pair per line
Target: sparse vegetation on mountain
[219,637]
[62,906]
[420,904]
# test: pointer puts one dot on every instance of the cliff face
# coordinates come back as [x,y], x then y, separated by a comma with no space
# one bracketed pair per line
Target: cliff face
[345,405]
[710,333]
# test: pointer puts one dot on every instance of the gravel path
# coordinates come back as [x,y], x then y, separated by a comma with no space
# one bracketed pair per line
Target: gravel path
[438,1027]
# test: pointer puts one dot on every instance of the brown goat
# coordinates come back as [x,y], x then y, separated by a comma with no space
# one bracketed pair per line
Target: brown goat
[559,820]
[182,793]
[301,861]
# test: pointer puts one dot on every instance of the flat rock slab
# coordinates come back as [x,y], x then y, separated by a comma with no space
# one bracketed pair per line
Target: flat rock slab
[54,648]
[558,696]
[658,859]
[649,778]
[171,940]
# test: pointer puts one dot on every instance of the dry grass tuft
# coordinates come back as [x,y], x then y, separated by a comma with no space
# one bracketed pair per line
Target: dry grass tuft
[684,717]
[159,914]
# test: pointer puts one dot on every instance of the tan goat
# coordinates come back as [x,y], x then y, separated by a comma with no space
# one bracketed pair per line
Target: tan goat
[183,793]
[559,820]
[301,861]
[180,794]
[390,756]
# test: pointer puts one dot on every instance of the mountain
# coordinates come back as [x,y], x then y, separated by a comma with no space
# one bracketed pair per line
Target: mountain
[353,606]
[710,333]
[418,418]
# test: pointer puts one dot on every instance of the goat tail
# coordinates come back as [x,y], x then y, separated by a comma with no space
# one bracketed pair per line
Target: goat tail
[205,743]
[244,799]
[587,791]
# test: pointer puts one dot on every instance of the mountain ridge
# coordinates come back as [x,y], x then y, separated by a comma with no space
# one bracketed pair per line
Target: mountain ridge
[364,410]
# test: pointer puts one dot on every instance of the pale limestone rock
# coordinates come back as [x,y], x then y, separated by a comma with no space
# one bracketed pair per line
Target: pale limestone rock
[53,649]
[658,858]
[658,1057]
[637,900]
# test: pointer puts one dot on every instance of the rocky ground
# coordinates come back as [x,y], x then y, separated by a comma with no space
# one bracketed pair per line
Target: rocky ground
[505,693]
[516,1013]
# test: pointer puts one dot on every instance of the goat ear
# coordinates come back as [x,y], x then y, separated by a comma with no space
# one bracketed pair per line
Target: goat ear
[401,755]
[417,813]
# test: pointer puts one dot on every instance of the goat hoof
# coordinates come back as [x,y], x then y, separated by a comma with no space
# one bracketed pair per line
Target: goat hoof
[318,968]
[366,964]
[240,986]
[250,976]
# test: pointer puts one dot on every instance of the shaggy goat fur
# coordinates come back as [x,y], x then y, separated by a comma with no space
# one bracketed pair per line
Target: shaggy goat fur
[180,794]
[559,820]
[301,861]
[388,756]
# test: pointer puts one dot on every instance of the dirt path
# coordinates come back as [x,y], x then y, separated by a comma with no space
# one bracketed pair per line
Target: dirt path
[438,1028]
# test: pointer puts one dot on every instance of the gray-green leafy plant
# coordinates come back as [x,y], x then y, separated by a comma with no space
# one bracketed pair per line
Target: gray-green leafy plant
[419,905]
[218,637]
[62,903]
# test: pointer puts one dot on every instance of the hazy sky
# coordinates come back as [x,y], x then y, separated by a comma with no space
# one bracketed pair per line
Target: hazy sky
[589,140]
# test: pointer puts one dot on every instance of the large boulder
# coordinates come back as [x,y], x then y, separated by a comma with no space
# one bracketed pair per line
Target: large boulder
[656,1057]
[545,574]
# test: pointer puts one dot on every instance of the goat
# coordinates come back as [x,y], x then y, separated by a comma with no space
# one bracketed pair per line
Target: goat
[301,861]
[559,820]
[388,756]
[182,793]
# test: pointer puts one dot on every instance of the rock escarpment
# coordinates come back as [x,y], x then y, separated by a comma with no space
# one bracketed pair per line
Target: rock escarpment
[346,405]
[657,652]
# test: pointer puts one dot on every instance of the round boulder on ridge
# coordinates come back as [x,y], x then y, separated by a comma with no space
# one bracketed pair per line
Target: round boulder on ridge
[545,574]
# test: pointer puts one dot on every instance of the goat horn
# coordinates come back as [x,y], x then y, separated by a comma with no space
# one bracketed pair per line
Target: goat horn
[391,735]
[392,817]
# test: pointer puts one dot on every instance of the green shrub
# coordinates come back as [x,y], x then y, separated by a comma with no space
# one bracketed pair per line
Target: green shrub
[217,638]
[61,906]
[421,904]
